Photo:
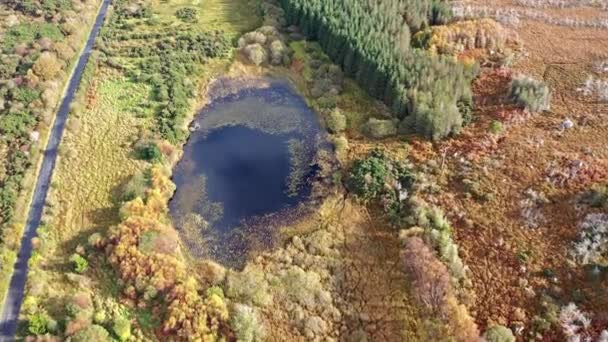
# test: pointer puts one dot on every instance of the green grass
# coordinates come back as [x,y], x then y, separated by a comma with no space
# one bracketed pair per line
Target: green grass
[232,16]
[29,32]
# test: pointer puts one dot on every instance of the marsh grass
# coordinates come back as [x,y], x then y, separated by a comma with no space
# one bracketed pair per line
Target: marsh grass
[233,17]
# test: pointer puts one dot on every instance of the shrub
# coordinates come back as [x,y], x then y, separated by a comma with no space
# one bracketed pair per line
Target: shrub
[336,121]
[189,15]
[368,177]
[249,286]
[149,151]
[278,53]
[379,129]
[592,243]
[499,333]
[38,323]
[437,229]
[94,332]
[246,324]
[529,93]
[597,197]
[26,95]
[79,263]
[430,278]
[47,66]
[139,183]
[15,124]
[496,127]
[122,328]
[433,117]
[256,54]
[100,317]
[304,287]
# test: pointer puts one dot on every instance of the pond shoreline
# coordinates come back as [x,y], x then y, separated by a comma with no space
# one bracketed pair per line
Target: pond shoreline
[272,106]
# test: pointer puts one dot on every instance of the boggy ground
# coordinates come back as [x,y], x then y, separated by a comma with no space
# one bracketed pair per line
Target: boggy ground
[516,250]
[341,278]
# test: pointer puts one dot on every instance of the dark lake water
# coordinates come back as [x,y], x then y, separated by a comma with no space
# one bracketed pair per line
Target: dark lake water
[247,165]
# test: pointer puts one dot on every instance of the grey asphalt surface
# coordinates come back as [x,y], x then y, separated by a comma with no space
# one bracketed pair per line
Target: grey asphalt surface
[14,297]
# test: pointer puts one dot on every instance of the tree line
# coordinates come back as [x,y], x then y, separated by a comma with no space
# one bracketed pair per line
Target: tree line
[371,41]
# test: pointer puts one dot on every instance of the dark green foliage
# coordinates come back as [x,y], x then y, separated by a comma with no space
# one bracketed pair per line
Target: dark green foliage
[37,324]
[530,94]
[440,12]
[28,33]
[189,15]
[379,177]
[371,41]
[26,95]
[47,8]
[80,264]
[15,124]
[368,175]
[149,151]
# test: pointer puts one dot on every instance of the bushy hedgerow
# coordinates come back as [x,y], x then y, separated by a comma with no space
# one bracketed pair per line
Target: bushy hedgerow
[530,94]
[265,45]
[438,231]
[432,289]
[48,8]
[157,280]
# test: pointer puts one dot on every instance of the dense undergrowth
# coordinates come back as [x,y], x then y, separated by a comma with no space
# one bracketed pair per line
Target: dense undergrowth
[37,49]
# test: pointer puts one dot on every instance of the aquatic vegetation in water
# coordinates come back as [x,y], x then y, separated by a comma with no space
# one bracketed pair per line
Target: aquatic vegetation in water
[249,158]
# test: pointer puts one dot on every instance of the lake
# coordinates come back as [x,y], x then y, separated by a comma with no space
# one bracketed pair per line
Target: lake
[246,168]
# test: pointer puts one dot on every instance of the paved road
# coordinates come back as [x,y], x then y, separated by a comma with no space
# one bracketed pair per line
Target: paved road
[12,303]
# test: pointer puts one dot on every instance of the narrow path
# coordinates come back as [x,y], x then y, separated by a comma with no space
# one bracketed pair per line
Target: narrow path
[14,297]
